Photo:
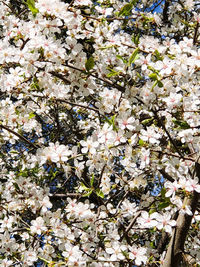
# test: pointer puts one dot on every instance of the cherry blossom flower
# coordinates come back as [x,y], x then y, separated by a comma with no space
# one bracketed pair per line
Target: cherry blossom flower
[116,251]
[144,61]
[6,223]
[173,101]
[83,2]
[146,220]
[150,135]
[145,157]
[72,253]
[128,209]
[165,66]
[192,185]
[89,146]
[37,226]
[6,263]
[164,222]
[184,209]
[106,12]
[138,255]
[127,123]
[81,148]
[46,204]
[172,188]
[61,154]
[30,257]
[54,153]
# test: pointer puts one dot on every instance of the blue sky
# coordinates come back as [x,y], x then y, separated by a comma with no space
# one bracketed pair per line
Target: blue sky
[158,9]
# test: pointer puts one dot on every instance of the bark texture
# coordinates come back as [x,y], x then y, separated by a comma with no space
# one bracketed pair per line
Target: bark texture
[175,251]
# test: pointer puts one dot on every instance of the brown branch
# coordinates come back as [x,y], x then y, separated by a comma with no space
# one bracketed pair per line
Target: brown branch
[24,43]
[18,135]
[76,104]
[196,34]
[65,195]
[173,155]
[109,83]
[176,246]
[160,121]
[162,243]
[109,19]
[128,228]
[156,5]
[166,175]
[165,11]
[175,251]
[60,76]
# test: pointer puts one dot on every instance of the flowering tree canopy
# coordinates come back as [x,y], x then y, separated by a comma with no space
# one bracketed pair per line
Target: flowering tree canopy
[99,133]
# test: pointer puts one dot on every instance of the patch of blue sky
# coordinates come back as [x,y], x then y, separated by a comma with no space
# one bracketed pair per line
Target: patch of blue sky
[157,186]
[158,9]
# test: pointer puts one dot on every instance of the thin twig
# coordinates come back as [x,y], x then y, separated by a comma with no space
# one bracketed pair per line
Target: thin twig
[128,228]
[167,132]
[76,104]
[108,82]
[173,155]
[65,195]
[18,135]
[196,34]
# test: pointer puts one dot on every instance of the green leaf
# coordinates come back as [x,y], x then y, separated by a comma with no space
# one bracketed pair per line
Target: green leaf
[163,205]
[88,194]
[123,59]
[163,192]
[92,180]
[152,245]
[54,174]
[133,57]
[147,121]
[84,187]
[24,173]
[160,84]
[35,86]
[154,85]
[141,142]
[44,260]
[171,56]
[111,121]
[108,120]
[14,152]
[136,39]
[89,64]
[31,115]
[126,9]
[139,75]
[153,76]
[99,193]
[17,112]
[106,47]
[182,124]
[31,6]
[112,73]
[158,55]
[152,69]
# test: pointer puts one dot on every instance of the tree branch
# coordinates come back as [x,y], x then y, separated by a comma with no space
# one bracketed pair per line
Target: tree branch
[167,132]
[175,251]
[196,34]
[18,135]
[165,11]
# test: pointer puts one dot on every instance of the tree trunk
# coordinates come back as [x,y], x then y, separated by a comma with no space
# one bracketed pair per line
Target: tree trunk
[175,251]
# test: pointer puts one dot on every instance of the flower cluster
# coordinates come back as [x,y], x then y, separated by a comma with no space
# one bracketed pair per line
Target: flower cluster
[99,131]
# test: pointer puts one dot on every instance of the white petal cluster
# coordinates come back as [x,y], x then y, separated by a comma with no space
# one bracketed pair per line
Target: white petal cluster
[99,131]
